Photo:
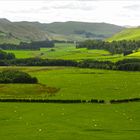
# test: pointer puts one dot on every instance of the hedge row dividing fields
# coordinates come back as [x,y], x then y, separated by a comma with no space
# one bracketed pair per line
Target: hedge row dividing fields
[69,101]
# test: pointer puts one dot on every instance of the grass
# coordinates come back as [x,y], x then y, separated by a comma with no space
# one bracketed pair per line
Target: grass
[35,121]
[77,83]
[60,122]
[67,51]
[127,34]
[135,54]
[26,91]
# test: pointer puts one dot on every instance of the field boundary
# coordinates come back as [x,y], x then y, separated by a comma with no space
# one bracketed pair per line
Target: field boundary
[116,101]
[29,100]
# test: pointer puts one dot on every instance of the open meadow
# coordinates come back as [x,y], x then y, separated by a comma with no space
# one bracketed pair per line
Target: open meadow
[66,51]
[69,121]
[83,121]
[74,83]
[69,70]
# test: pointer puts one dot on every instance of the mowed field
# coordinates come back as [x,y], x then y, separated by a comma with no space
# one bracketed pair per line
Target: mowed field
[74,83]
[69,121]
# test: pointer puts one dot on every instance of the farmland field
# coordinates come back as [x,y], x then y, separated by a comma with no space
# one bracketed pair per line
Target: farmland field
[69,121]
[66,51]
[69,70]
[75,83]
[55,121]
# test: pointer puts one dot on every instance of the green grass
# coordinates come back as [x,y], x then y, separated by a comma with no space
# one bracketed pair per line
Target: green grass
[21,121]
[26,91]
[135,54]
[68,52]
[77,83]
[40,121]
[127,34]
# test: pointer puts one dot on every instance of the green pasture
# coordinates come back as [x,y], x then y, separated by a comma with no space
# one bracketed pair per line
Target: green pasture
[28,121]
[75,83]
[66,51]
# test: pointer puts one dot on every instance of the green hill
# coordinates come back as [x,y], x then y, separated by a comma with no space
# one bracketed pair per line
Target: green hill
[15,32]
[127,34]
[12,32]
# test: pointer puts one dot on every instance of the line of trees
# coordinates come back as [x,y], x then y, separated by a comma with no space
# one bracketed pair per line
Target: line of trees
[38,62]
[28,46]
[126,64]
[8,59]
[115,47]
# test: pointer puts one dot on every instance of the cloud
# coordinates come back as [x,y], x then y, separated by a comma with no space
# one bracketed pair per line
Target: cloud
[133,7]
[55,5]
[112,11]
[74,6]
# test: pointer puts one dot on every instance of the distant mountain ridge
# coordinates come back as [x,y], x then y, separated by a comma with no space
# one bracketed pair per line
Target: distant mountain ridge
[16,32]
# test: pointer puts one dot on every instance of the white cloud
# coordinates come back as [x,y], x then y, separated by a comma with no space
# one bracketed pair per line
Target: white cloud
[124,12]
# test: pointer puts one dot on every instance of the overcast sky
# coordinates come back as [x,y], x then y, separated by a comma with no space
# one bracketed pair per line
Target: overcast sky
[120,12]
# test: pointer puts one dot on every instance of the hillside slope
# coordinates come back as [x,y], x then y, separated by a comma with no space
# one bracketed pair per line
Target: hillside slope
[14,32]
[127,34]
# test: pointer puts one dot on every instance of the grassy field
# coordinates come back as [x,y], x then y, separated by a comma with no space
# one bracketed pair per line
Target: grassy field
[60,122]
[40,121]
[67,51]
[75,83]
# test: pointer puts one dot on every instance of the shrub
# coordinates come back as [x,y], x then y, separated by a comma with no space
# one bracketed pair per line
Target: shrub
[14,76]
[4,55]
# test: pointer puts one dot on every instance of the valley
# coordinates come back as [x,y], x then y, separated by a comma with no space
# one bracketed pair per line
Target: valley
[86,81]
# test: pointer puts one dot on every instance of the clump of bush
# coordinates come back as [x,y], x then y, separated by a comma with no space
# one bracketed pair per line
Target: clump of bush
[15,76]
[4,55]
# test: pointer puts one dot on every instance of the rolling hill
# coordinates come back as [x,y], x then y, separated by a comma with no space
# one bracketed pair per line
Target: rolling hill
[12,32]
[15,32]
[127,34]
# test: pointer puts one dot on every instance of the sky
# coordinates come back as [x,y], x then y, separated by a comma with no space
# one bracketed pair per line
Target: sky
[119,12]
